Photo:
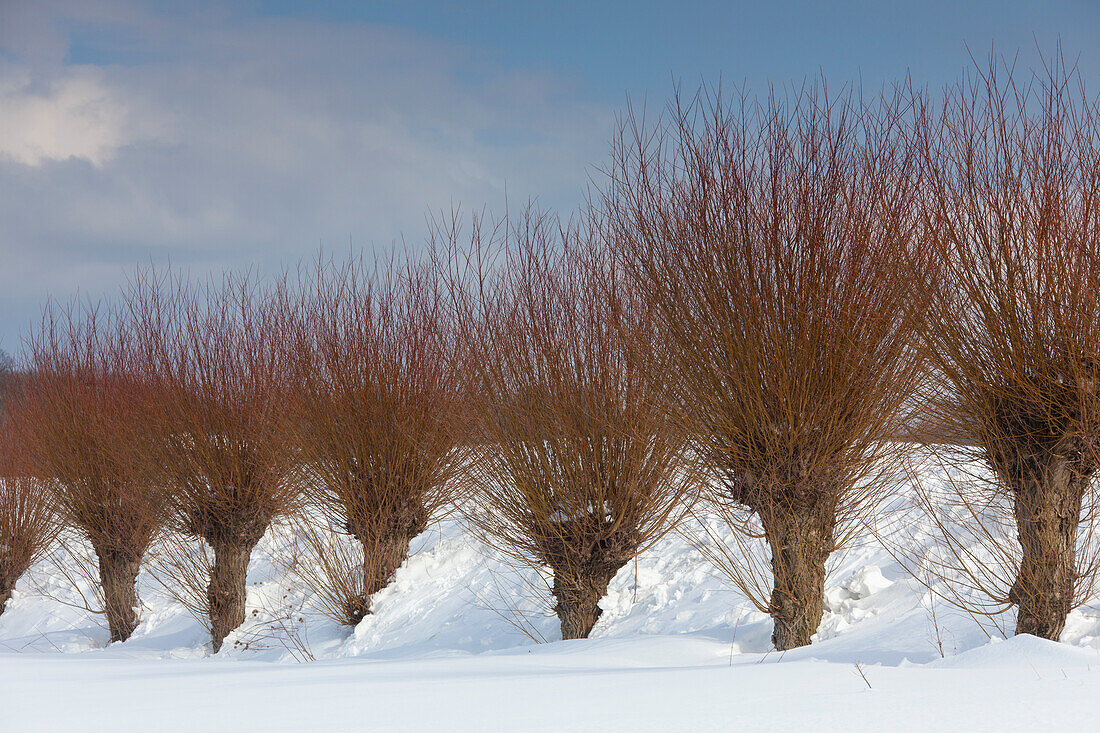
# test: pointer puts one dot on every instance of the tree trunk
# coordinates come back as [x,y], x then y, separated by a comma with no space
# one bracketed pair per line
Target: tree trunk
[226,592]
[5,593]
[578,595]
[381,559]
[1048,511]
[801,540]
[118,573]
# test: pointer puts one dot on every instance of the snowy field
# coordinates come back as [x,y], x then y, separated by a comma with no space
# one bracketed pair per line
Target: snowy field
[451,647]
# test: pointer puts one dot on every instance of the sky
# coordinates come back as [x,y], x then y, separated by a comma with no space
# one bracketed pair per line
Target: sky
[253,135]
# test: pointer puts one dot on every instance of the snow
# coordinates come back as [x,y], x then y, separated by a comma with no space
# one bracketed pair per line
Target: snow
[452,646]
[657,683]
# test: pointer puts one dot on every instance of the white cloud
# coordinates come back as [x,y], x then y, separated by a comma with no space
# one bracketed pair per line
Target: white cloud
[72,116]
[250,143]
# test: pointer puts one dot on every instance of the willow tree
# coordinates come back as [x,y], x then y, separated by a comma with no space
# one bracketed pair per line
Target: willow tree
[27,519]
[215,359]
[771,242]
[569,468]
[78,421]
[372,421]
[1011,211]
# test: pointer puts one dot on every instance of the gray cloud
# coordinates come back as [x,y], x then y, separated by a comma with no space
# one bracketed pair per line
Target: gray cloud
[236,142]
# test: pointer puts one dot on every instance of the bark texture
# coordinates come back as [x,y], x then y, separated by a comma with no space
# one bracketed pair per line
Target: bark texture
[381,559]
[1047,504]
[801,540]
[578,596]
[385,548]
[118,573]
[5,594]
[584,556]
[226,592]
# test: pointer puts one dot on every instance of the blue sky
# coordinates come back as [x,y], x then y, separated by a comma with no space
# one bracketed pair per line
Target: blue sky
[215,135]
[611,48]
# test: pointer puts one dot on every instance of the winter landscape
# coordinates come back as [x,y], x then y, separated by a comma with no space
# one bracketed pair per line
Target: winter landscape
[675,649]
[770,403]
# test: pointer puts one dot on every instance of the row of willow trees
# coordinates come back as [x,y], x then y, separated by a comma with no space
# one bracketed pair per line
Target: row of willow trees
[762,310]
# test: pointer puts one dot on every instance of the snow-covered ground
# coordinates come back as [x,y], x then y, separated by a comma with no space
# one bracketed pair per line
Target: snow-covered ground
[451,647]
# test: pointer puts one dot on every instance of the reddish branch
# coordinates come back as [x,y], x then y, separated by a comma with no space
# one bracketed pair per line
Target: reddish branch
[770,242]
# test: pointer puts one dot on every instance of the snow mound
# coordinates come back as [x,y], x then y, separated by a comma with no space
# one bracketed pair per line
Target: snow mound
[866,581]
[452,644]
[1023,651]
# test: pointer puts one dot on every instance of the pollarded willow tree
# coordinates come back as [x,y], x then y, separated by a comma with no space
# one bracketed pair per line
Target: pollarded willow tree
[569,467]
[1011,210]
[215,356]
[770,241]
[77,421]
[27,520]
[374,419]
